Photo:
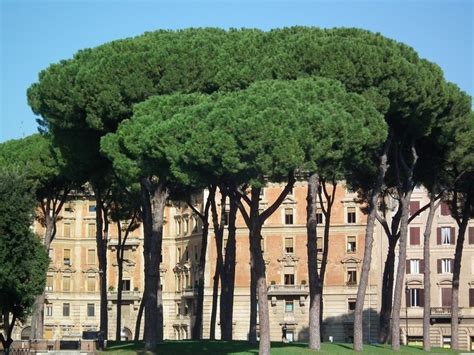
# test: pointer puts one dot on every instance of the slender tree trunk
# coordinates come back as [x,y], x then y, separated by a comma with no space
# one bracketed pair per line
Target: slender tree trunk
[253,306]
[101,242]
[218,231]
[462,224]
[119,256]
[139,320]
[6,339]
[197,329]
[369,239]
[427,275]
[387,290]
[228,276]
[153,333]
[314,295]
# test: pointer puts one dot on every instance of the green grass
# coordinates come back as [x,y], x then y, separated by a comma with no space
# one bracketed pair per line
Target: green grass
[243,347]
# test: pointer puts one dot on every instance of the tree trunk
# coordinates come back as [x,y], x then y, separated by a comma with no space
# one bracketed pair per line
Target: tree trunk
[153,333]
[197,328]
[218,231]
[369,239]
[427,275]
[139,320]
[119,256]
[253,306]
[258,264]
[101,242]
[228,276]
[314,295]
[387,290]
[462,224]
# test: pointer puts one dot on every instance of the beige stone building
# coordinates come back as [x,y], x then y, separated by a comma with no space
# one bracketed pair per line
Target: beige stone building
[72,285]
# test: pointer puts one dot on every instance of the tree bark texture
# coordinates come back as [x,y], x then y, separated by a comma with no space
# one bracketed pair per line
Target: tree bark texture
[427,275]
[314,295]
[228,276]
[387,291]
[197,327]
[462,225]
[369,239]
[218,231]
[153,333]
[138,323]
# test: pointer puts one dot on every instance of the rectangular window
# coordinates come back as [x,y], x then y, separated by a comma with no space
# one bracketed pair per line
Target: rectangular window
[178,226]
[415,296]
[225,218]
[178,306]
[319,244]
[126,285]
[49,310]
[49,283]
[446,266]
[351,304]
[178,255]
[262,244]
[91,230]
[289,275]
[352,277]
[414,235]
[67,256]
[414,266]
[186,226]
[91,256]
[67,230]
[414,207]
[66,309]
[445,209]
[351,244]
[92,207]
[288,216]
[90,283]
[471,235]
[289,307]
[351,215]
[471,297]
[319,217]
[91,310]
[446,297]
[66,284]
[445,235]
[289,245]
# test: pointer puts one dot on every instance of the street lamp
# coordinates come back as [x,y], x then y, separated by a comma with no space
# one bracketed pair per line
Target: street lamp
[407,294]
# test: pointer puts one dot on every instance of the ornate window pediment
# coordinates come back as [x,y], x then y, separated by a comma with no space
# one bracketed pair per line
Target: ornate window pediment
[351,260]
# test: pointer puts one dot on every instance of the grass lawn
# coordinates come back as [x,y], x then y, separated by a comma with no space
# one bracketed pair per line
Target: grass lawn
[242,347]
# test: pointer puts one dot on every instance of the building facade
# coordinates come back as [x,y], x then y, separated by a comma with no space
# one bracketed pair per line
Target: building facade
[72,289]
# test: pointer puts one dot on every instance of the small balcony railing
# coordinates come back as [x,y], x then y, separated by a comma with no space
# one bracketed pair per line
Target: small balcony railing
[443,312]
[281,290]
[126,295]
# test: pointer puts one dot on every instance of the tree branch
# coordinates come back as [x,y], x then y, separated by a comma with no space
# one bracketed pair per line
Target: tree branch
[269,211]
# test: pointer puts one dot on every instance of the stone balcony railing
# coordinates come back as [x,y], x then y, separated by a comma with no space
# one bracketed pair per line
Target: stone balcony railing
[443,312]
[283,290]
[126,295]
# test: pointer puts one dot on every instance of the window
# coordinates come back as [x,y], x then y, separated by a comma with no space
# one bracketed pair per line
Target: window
[186,281]
[471,235]
[49,283]
[178,283]
[49,310]
[67,230]
[90,283]
[413,266]
[415,297]
[225,217]
[445,209]
[446,296]
[289,245]
[445,235]
[446,266]
[414,207]
[262,244]
[351,304]
[91,310]
[66,284]
[178,254]
[288,216]
[186,226]
[351,244]
[66,309]
[92,207]
[126,285]
[352,277]
[351,215]
[67,256]
[414,235]
[91,230]
[289,307]
[471,297]
[178,306]
[178,226]
[319,217]
[319,244]
[91,256]
[289,275]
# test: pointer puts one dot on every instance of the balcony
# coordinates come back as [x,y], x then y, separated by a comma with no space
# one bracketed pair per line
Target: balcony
[126,295]
[288,290]
[189,292]
[443,312]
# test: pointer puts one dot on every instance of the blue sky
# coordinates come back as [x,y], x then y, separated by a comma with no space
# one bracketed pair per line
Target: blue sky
[36,33]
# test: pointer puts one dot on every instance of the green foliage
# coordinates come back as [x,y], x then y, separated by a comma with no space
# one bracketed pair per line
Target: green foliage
[23,259]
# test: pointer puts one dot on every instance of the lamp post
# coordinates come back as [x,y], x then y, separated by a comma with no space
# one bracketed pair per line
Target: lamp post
[407,294]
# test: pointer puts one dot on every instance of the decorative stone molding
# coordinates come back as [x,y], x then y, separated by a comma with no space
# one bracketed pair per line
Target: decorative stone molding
[289,260]
[351,260]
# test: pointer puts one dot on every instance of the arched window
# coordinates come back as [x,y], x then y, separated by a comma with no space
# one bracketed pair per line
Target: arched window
[25,333]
